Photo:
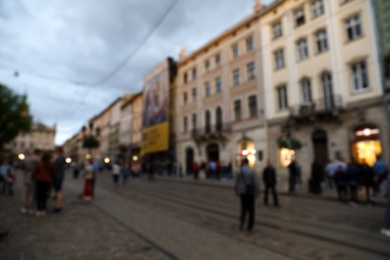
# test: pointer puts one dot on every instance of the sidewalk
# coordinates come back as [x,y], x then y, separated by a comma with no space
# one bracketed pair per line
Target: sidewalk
[282,188]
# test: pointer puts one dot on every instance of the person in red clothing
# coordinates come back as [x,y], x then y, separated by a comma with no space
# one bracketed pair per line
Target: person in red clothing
[43,180]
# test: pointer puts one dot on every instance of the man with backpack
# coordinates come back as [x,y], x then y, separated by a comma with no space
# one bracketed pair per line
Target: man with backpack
[247,188]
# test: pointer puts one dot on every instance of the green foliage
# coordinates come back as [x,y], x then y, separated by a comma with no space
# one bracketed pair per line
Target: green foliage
[289,143]
[90,142]
[14,115]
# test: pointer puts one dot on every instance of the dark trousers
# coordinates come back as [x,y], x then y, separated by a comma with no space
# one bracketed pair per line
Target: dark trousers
[115,178]
[41,191]
[353,193]
[76,174]
[342,192]
[292,182]
[247,205]
[274,194]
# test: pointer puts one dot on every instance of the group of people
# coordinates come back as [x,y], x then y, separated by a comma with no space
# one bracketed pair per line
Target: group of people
[7,177]
[212,169]
[343,175]
[41,174]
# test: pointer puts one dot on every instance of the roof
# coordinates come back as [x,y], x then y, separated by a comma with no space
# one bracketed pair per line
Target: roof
[131,99]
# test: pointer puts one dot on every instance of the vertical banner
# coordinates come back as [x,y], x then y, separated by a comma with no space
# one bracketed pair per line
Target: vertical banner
[155,133]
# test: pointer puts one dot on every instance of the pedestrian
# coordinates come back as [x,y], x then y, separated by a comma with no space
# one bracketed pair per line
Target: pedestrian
[352,182]
[96,168]
[7,176]
[330,170]
[247,188]
[293,173]
[386,218]
[316,178]
[76,170]
[43,179]
[195,168]
[202,171]
[87,193]
[125,173]
[116,171]
[30,163]
[340,179]
[367,181]
[269,179]
[380,170]
[58,176]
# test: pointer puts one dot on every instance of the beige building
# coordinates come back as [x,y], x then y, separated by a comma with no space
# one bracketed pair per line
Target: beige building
[40,137]
[219,99]
[136,126]
[321,79]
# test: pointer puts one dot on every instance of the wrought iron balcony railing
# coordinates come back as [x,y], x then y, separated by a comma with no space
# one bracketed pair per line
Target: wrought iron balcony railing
[211,130]
[322,106]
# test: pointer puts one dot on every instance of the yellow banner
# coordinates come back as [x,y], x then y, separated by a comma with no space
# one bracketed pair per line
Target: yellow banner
[155,138]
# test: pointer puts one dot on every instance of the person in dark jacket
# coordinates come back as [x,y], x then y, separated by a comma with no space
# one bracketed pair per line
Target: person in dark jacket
[367,181]
[269,179]
[293,173]
[352,182]
[340,179]
[316,178]
[247,188]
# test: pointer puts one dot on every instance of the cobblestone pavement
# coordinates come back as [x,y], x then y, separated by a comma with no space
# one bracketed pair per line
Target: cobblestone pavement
[172,220]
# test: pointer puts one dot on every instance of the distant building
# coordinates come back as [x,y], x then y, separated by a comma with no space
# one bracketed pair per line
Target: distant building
[40,137]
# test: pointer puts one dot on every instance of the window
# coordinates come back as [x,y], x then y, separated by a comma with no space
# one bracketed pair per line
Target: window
[303,52]
[237,110]
[299,17]
[359,76]
[208,121]
[326,81]
[194,94]
[353,27]
[219,120]
[306,91]
[185,98]
[282,97]
[318,7]
[185,77]
[344,1]
[207,89]
[207,66]
[252,102]
[235,52]
[249,43]
[322,41]
[217,60]
[277,29]
[236,77]
[194,121]
[194,73]
[279,59]
[218,85]
[250,68]
[185,124]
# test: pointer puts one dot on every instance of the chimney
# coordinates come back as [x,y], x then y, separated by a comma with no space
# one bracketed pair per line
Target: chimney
[258,6]
[182,53]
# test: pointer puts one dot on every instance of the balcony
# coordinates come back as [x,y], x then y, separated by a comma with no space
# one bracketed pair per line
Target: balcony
[211,132]
[329,107]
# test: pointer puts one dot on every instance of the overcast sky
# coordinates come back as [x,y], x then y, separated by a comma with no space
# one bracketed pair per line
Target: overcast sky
[83,41]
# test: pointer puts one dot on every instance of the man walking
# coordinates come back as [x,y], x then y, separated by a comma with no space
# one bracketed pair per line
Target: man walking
[58,178]
[269,179]
[247,188]
[30,163]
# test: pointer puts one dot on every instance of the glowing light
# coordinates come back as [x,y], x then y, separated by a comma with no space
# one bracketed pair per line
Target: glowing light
[88,156]
[68,160]
[367,132]
[107,160]
[135,158]
[253,151]
[21,157]
[245,152]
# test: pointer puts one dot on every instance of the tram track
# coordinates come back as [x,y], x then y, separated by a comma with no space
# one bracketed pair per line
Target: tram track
[203,206]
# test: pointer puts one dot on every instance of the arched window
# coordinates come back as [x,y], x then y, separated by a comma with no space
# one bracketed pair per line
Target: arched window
[218,116]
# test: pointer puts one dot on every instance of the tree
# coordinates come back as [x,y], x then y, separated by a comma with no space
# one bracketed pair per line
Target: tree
[90,142]
[14,115]
[289,143]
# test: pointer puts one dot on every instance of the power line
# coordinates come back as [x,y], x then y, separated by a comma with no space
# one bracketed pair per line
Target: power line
[111,74]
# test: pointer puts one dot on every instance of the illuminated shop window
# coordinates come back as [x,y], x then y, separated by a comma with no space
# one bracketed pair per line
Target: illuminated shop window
[286,156]
[367,144]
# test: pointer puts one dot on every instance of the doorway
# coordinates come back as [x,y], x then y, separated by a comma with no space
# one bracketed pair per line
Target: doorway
[212,151]
[189,160]
[320,146]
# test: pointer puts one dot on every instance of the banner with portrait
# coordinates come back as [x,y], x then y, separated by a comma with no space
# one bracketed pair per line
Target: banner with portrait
[155,133]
